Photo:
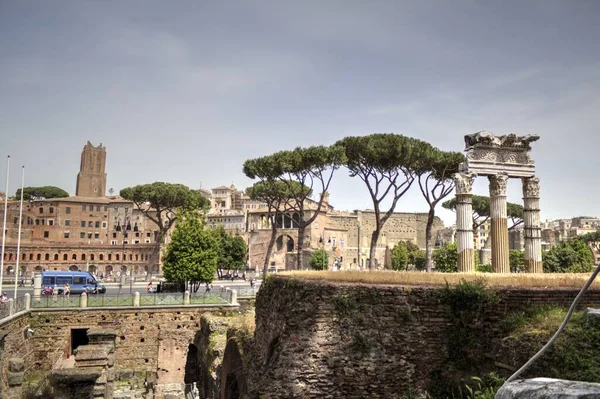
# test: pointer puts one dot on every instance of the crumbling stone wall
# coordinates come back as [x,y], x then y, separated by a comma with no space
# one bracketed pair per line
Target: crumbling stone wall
[321,339]
[15,355]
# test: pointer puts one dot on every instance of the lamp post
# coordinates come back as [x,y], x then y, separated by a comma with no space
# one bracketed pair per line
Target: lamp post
[125,229]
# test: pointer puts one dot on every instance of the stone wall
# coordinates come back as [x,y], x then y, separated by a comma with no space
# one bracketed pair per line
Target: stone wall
[315,339]
[14,344]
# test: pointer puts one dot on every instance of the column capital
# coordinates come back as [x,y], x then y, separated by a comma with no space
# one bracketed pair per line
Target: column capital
[498,185]
[463,182]
[531,187]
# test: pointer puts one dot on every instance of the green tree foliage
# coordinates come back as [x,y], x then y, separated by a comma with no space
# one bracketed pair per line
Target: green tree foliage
[435,182]
[571,256]
[301,168]
[446,258]
[418,259]
[319,260]
[481,211]
[193,252]
[159,202]
[40,193]
[591,237]
[277,195]
[516,260]
[400,256]
[386,163]
[233,250]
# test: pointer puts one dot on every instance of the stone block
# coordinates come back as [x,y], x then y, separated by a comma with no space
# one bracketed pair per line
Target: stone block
[110,360]
[549,388]
[99,390]
[75,375]
[125,374]
[93,352]
[16,364]
[110,375]
[592,317]
[14,379]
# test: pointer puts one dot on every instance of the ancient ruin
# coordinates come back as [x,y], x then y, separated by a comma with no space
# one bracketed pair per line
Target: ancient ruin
[499,158]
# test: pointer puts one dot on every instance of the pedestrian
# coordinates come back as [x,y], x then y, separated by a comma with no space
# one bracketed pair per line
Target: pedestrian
[32,281]
[251,283]
[207,287]
[3,298]
[67,290]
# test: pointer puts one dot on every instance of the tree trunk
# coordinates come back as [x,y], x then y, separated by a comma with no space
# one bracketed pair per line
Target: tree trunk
[428,243]
[270,248]
[299,261]
[373,249]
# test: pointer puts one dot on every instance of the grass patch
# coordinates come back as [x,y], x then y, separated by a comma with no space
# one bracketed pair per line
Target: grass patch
[574,356]
[492,280]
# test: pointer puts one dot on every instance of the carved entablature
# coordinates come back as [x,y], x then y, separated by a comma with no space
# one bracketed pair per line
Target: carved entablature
[531,187]
[463,182]
[489,155]
[498,185]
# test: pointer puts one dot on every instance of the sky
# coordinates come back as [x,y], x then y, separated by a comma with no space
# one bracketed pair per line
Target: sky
[186,91]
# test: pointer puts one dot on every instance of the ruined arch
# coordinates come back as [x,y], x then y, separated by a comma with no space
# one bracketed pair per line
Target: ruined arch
[192,368]
[108,269]
[73,268]
[233,379]
[284,243]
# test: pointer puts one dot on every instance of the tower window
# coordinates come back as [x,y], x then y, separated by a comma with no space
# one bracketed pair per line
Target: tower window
[68,210]
[83,207]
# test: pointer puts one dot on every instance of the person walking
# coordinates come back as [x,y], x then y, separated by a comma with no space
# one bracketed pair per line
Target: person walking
[67,290]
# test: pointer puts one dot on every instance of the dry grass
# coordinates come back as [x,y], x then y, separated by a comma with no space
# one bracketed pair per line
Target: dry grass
[542,280]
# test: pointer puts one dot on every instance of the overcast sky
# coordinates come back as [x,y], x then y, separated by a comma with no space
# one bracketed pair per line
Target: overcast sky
[185,91]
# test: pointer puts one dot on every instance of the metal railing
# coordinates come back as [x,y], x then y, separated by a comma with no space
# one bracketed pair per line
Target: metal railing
[4,310]
[56,301]
[26,302]
[247,292]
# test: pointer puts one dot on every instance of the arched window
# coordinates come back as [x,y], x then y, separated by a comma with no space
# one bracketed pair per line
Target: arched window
[130,256]
[91,256]
[30,256]
[136,257]
[47,257]
[109,256]
[74,257]
[82,256]
[39,257]
[55,256]
[117,256]
[101,256]
[37,222]
[66,257]
[24,257]
[41,210]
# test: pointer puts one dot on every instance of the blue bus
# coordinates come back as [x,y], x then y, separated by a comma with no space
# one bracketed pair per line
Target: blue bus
[80,282]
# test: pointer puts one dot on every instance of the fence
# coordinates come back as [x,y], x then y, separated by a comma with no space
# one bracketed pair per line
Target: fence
[222,297]
[246,292]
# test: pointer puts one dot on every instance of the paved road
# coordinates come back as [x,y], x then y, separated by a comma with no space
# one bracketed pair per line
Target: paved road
[113,289]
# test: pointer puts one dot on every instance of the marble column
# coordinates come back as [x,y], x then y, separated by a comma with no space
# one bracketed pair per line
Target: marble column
[532,225]
[464,221]
[500,259]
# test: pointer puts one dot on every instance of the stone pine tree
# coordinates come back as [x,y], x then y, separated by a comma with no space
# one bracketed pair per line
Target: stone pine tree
[40,193]
[435,182]
[193,252]
[311,167]
[160,202]
[386,163]
[277,197]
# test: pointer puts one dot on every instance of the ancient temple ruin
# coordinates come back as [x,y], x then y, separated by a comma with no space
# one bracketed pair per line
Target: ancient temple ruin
[499,158]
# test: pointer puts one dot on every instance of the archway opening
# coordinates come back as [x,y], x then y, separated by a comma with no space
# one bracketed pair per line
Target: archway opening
[73,268]
[192,368]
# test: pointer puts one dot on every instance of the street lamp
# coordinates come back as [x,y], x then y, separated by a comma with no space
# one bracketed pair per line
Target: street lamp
[125,229]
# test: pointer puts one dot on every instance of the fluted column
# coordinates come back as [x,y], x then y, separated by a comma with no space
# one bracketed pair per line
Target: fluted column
[500,259]
[532,226]
[464,221]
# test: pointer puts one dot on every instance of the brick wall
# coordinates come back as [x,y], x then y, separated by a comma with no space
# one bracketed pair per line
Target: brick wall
[315,339]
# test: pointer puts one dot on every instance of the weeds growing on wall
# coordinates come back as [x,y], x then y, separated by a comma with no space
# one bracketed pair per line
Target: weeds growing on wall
[467,300]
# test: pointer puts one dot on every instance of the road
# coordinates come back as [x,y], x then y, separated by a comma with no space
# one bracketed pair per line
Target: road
[113,289]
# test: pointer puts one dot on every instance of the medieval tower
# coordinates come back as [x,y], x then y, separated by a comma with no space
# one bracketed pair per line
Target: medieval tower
[91,179]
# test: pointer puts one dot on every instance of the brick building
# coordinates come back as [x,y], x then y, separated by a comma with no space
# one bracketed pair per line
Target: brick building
[86,232]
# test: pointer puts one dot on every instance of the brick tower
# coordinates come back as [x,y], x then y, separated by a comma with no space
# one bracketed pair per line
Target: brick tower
[91,179]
